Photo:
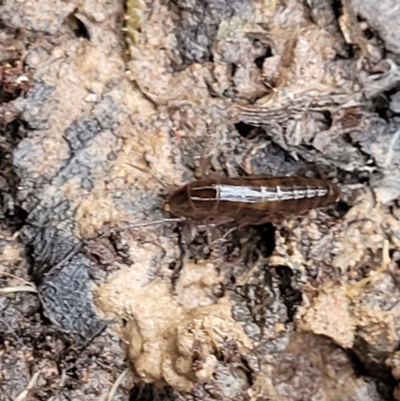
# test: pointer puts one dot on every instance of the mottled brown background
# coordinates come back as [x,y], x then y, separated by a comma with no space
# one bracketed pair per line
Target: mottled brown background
[304,311]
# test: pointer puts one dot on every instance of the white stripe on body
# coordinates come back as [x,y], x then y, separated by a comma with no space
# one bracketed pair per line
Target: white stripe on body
[247,194]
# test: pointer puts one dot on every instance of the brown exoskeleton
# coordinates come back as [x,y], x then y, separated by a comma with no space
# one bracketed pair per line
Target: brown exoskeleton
[246,201]
[250,200]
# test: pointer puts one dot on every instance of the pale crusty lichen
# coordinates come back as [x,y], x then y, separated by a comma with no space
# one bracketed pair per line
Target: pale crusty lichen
[172,337]
[135,14]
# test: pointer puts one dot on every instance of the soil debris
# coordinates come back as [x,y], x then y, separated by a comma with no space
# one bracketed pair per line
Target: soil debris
[304,310]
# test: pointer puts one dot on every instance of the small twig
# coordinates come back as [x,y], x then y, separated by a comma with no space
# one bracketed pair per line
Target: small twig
[385,255]
[18,288]
[15,236]
[114,387]
[63,378]
[30,385]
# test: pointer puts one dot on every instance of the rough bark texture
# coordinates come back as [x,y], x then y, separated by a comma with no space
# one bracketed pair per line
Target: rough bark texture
[97,100]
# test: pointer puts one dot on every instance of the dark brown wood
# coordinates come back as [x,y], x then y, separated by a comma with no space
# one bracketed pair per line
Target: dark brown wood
[250,200]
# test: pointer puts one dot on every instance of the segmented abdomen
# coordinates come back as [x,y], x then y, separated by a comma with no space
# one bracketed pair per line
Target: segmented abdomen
[252,199]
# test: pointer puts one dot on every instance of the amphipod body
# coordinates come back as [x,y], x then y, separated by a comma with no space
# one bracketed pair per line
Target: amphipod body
[250,200]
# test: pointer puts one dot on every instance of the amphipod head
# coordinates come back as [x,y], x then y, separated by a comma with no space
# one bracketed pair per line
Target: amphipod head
[178,203]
